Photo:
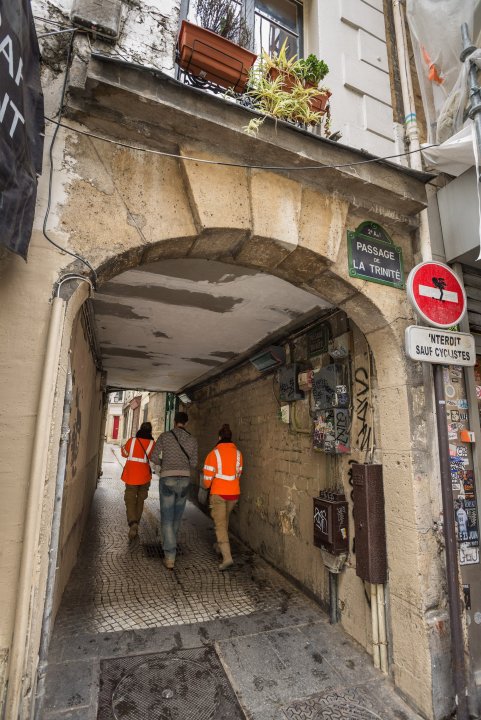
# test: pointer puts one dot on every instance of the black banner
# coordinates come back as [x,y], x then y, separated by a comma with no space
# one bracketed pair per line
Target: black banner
[21,124]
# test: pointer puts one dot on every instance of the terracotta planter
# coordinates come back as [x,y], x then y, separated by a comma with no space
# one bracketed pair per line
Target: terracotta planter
[317,103]
[211,57]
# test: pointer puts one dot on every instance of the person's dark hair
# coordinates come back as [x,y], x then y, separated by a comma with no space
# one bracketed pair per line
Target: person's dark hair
[181,417]
[225,433]
[145,431]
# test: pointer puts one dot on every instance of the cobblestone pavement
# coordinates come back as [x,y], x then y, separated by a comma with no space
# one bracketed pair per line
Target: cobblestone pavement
[117,585]
[123,609]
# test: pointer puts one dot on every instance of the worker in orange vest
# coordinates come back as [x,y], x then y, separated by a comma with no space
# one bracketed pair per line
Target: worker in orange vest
[137,475]
[222,472]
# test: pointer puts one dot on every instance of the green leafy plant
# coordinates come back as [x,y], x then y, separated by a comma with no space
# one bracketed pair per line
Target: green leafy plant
[311,70]
[224,18]
[285,88]
[271,98]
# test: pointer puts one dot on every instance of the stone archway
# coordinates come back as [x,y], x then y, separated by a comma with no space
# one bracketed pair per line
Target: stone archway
[138,209]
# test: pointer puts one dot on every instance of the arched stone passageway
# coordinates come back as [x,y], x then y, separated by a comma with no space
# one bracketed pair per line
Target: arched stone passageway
[136,211]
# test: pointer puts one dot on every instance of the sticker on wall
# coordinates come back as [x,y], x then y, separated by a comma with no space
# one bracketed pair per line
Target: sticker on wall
[468,555]
[450,392]
[452,434]
[468,484]
[478,392]
[467,596]
[457,472]
[463,417]
[477,618]
[461,451]
[463,404]
[446,374]
[468,619]
[456,371]
[454,415]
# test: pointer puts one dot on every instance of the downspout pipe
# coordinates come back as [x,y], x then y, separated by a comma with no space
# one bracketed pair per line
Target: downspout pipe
[410,117]
[53,552]
[34,502]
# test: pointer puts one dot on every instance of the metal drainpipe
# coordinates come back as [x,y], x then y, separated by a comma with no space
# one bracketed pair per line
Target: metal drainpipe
[54,547]
[333,595]
[34,502]
[410,118]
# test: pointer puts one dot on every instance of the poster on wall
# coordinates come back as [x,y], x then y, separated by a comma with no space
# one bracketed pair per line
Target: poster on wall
[332,431]
[461,466]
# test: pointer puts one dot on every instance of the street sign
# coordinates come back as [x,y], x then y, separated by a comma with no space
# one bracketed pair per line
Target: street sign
[443,348]
[373,256]
[437,294]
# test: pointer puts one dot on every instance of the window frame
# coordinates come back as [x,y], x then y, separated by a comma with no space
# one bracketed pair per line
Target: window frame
[249,11]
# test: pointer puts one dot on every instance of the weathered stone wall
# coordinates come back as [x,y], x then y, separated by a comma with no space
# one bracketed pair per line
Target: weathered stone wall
[82,459]
[283,473]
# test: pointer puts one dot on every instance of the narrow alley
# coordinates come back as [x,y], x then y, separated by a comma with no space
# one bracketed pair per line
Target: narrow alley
[133,640]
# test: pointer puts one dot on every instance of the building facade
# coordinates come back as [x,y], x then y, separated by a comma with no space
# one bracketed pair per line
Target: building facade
[198,248]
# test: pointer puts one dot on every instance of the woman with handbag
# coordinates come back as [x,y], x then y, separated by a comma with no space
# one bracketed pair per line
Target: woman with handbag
[222,472]
[137,475]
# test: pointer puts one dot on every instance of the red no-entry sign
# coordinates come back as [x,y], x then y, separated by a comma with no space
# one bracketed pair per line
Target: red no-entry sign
[436,294]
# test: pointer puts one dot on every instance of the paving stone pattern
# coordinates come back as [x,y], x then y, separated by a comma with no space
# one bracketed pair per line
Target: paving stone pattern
[120,585]
[132,639]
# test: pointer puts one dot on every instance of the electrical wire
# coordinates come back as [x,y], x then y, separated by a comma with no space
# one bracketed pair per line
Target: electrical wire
[246,166]
[47,21]
[50,177]
[56,32]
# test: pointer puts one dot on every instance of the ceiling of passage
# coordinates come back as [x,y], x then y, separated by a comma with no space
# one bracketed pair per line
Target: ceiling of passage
[166,324]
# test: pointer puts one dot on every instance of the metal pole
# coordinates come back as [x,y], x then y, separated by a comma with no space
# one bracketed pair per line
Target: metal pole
[474,89]
[457,640]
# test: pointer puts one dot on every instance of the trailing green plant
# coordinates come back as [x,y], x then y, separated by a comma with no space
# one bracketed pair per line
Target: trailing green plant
[271,98]
[224,17]
[284,88]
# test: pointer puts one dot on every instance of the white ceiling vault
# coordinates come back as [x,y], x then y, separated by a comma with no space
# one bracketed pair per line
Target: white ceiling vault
[166,324]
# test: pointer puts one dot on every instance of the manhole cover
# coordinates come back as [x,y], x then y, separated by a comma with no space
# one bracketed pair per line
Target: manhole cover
[170,688]
[185,685]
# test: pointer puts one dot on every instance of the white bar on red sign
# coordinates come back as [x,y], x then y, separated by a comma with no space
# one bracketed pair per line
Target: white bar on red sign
[439,346]
[433,292]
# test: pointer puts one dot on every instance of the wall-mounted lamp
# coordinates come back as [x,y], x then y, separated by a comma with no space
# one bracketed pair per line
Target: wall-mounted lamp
[270,357]
[184,398]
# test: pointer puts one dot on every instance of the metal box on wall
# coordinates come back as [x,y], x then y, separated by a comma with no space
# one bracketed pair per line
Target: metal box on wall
[369,522]
[331,522]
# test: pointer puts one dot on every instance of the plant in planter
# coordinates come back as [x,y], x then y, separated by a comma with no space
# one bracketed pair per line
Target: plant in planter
[287,89]
[213,51]
[224,18]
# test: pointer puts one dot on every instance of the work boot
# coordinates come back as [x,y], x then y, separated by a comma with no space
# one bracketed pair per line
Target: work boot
[227,560]
[133,530]
[169,563]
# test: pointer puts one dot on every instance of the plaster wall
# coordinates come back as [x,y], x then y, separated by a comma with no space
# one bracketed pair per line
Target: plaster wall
[82,459]
[156,414]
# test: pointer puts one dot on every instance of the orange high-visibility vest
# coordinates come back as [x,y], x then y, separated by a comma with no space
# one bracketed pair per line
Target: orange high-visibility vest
[222,469]
[137,469]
